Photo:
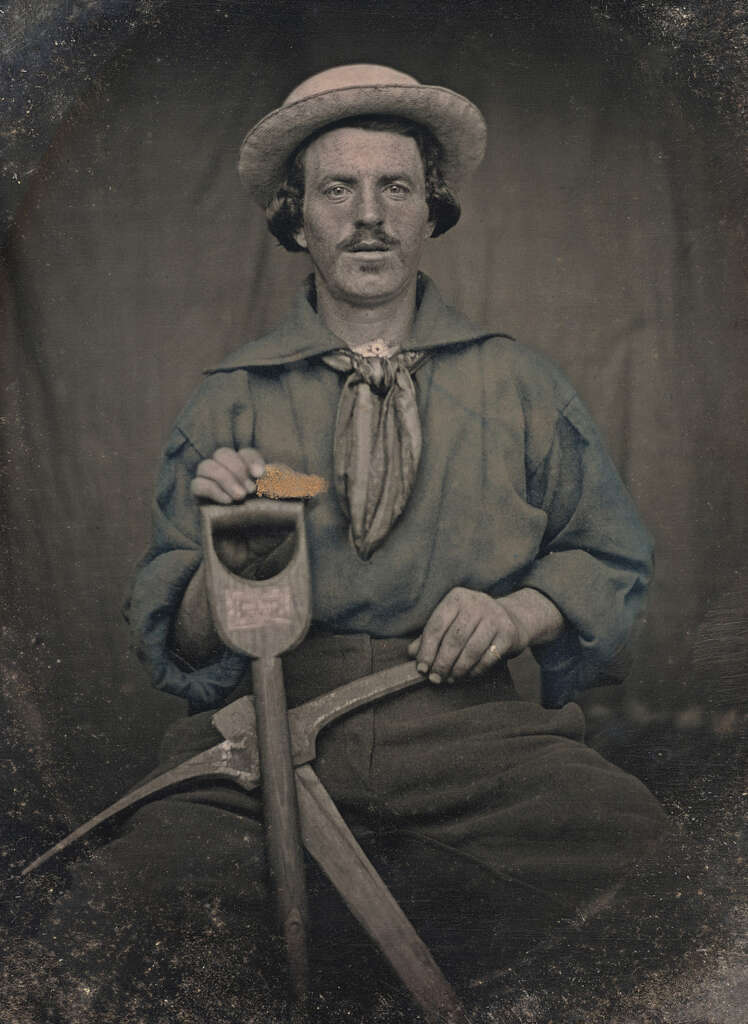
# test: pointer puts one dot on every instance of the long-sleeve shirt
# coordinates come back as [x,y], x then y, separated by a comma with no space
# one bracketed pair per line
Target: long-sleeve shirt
[514,489]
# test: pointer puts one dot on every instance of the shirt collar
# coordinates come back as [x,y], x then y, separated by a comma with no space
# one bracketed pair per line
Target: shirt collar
[302,335]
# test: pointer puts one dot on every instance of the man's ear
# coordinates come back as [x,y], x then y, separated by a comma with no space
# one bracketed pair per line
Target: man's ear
[430,225]
[300,238]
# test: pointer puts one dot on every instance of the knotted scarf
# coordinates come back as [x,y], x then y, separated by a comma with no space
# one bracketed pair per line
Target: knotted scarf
[377,444]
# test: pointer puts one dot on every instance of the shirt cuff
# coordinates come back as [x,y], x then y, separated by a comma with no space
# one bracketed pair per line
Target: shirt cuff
[568,669]
[205,687]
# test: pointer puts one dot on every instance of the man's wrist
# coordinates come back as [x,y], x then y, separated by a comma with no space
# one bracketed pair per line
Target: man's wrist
[536,618]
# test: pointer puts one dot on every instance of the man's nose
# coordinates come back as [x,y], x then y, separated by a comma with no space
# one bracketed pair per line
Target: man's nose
[369,210]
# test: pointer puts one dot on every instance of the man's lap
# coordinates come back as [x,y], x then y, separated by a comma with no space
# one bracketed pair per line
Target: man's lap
[500,789]
[487,816]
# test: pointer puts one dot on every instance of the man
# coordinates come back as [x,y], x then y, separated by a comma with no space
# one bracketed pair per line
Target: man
[472,513]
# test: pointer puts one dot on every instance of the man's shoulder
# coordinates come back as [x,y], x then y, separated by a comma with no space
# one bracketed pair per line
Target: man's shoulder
[298,336]
[208,419]
[274,348]
[506,361]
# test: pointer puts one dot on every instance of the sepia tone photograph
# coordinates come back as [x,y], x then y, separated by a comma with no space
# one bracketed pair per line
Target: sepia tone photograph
[373,602]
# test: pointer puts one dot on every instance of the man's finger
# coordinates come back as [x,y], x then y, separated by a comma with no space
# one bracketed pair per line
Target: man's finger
[439,622]
[494,652]
[480,644]
[208,490]
[413,648]
[235,464]
[453,642]
[210,469]
[253,461]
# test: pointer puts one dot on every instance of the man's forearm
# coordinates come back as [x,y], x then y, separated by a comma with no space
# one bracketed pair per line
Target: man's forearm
[195,637]
[535,617]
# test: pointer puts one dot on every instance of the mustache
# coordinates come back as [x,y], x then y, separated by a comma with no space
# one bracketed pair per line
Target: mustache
[370,238]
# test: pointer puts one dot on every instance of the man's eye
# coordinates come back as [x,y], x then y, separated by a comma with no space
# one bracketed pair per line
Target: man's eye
[397,189]
[336,191]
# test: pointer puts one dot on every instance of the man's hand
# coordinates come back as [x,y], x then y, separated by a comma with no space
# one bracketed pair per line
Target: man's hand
[469,631]
[228,476]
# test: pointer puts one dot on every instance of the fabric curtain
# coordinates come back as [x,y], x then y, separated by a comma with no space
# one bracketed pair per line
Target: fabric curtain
[603,228]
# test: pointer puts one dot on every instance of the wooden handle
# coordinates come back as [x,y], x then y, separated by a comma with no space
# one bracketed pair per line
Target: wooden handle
[306,721]
[283,843]
[266,617]
[334,847]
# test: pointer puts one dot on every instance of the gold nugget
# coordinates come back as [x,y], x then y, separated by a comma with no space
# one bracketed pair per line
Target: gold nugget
[279,481]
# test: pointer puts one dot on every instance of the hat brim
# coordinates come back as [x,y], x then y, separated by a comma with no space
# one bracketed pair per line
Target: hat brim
[456,122]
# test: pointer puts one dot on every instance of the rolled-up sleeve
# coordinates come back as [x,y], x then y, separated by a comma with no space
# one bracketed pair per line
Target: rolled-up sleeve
[160,582]
[595,560]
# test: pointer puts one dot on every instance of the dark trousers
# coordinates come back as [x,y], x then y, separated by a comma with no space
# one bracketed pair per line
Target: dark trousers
[487,815]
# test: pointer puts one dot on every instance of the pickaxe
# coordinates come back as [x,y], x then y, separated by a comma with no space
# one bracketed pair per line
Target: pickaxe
[266,744]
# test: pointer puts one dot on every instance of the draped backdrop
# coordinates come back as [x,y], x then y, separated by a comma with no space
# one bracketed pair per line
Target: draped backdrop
[603,228]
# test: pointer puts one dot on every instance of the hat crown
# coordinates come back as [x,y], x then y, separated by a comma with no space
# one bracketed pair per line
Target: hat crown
[347,76]
[360,90]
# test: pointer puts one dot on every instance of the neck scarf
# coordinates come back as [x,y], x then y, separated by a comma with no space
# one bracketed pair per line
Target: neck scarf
[377,444]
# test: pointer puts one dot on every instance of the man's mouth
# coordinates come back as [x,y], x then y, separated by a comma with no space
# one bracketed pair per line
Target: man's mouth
[368,247]
[361,242]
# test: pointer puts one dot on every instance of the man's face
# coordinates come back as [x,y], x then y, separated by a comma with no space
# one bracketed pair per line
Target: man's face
[365,213]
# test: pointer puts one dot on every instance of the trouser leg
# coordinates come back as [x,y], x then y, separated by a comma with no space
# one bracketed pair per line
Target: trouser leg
[478,810]
[168,921]
[507,815]
[511,786]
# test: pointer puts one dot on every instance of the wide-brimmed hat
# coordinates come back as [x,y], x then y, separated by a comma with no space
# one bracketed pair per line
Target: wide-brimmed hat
[349,91]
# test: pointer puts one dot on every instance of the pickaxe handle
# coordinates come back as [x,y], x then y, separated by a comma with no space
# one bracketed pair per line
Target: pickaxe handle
[283,842]
[334,847]
[265,618]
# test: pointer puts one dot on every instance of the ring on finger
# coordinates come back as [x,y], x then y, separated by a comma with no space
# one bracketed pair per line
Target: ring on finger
[493,650]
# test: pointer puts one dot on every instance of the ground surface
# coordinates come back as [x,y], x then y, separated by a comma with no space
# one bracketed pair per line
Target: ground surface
[683,964]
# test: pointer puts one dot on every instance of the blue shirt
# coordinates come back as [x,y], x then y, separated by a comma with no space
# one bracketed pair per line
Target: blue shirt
[514,489]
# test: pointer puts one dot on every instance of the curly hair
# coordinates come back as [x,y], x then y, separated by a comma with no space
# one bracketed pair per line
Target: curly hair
[284,212]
